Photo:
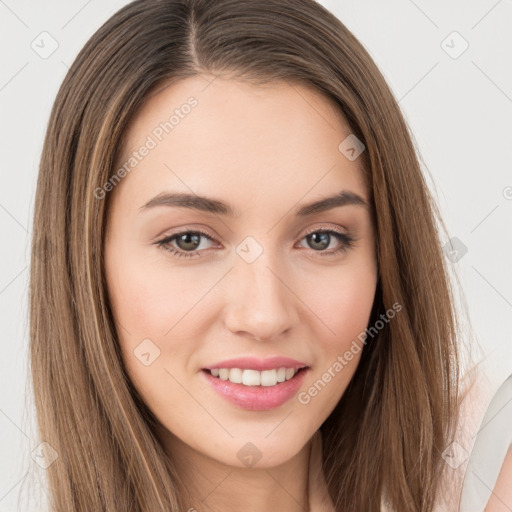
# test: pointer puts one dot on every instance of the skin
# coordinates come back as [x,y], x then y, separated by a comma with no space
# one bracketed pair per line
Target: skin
[264,150]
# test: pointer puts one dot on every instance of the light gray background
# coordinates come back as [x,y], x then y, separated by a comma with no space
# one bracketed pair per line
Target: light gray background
[459,110]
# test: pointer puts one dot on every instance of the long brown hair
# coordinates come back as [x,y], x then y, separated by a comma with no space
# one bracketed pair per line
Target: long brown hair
[397,416]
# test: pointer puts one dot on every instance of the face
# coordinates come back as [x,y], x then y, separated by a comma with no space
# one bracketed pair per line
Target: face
[244,269]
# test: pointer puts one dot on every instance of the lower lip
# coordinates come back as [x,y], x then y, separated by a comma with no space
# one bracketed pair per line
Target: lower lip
[257,398]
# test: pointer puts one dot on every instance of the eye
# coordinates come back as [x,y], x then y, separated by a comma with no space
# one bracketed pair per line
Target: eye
[188,243]
[321,239]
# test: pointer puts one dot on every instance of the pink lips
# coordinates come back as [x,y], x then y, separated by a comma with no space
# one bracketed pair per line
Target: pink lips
[257,398]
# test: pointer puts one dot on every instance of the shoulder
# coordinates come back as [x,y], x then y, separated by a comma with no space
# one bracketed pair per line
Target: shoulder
[488,475]
[477,472]
[461,454]
[474,395]
[501,497]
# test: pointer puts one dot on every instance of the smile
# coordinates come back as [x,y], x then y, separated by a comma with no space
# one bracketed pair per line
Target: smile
[249,377]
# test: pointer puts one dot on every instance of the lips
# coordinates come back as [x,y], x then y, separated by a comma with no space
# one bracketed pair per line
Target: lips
[256,384]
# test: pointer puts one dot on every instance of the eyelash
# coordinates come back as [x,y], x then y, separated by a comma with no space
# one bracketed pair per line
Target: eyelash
[347,242]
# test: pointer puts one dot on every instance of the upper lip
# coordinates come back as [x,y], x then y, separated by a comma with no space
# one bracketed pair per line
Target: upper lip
[254,363]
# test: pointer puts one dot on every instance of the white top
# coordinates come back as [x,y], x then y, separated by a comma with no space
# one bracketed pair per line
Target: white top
[474,459]
[492,442]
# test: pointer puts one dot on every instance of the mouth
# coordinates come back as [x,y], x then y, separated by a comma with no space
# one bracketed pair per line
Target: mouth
[255,390]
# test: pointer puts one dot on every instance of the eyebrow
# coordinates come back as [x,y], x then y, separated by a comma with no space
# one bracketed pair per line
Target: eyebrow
[210,205]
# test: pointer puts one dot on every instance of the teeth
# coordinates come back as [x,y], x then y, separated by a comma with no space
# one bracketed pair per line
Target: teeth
[290,372]
[269,377]
[249,377]
[254,377]
[235,375]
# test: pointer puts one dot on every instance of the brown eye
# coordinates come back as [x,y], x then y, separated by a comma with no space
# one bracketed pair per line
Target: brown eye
[188,241]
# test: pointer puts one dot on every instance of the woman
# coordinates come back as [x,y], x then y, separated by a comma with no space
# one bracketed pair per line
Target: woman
[243,302]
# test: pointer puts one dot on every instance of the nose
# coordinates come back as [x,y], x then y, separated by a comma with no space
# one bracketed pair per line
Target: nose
[260,303]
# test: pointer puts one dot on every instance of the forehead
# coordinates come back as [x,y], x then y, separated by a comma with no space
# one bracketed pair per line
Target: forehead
[211,134]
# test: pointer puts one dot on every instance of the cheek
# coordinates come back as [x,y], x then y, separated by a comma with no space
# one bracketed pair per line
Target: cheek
[156,312]
[344,300]
[350,305]
[143,312]
[345,311]
[148,299]
[146,308]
